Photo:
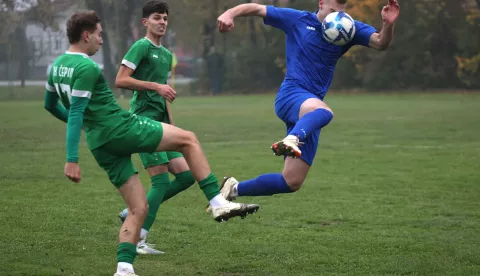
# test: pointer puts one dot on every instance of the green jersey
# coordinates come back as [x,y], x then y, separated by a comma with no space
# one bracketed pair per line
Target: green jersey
[152,63]
[80,85]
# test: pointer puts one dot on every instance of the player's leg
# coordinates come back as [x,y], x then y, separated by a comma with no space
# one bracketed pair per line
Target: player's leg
[293,174]
[291,179]
[134,196]
[313,115]
[186,142]
[156,166]
[123,176]
[183,176]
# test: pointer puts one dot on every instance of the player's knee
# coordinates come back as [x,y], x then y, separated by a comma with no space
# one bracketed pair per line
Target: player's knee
[295,185]
[141,210]
[156,170]
[329,109]
[191,138]
[294,180]
[328,114]
[186,139]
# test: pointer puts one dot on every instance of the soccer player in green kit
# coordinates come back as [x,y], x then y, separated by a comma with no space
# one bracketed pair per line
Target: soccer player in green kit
[145,69]
[114,134]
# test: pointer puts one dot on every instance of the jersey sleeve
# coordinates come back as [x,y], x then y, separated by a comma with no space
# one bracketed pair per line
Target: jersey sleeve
[281,18]
[53,106]
[49,86]
[363,32]
[74,127]
[134,56]
[51,102]
[85,79]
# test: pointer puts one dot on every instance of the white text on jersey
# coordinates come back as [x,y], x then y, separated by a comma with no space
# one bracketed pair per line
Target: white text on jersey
[63,71]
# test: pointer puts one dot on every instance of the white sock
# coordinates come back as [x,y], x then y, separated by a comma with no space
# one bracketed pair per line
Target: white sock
[143,234]
[291,137]
[235,190]
[218,201]
[124,268]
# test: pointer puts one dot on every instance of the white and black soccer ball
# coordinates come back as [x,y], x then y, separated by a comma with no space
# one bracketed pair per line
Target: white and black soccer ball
[338,28]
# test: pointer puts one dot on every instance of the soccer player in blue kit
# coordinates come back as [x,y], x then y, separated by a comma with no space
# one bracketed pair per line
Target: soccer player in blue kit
[299,102]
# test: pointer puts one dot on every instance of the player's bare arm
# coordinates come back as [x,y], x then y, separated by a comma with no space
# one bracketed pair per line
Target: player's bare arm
[381,41]
[225,21]
[124,80]
[170,117]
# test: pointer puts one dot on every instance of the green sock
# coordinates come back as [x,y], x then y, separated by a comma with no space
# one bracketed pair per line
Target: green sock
[160,183]
[126,252]
[181,182]
[210,186]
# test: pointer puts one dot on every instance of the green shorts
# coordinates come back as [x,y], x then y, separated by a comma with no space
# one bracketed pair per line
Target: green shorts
[141,135]
[156,158]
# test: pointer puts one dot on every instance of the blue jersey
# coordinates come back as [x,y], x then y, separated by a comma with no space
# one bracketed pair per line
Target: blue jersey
[311,59]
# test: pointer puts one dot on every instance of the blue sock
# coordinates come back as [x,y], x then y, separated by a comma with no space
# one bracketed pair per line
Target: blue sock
[263,185]
[310,122]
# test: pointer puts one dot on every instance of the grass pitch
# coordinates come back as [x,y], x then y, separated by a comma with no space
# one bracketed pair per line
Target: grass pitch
[394,190]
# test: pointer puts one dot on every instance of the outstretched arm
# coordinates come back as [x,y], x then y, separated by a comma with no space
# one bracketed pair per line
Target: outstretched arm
[381,41]
[225,21]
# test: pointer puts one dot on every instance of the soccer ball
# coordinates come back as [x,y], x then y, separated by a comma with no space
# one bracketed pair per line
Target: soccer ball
[338,28]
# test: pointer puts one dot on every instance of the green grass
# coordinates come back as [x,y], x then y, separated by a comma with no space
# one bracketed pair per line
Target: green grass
[394,190]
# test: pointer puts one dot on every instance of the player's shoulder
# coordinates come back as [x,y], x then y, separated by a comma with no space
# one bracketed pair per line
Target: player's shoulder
[167,52]
[142,42]
[87,66]
[307,16]
[75,60]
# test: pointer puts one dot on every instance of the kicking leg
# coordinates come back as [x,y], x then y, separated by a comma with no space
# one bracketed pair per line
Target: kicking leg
[186,142]
[290,180]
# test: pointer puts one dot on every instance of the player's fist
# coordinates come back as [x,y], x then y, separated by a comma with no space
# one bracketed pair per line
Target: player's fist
[390,12]
[72,171]
[166,91]
[225,22]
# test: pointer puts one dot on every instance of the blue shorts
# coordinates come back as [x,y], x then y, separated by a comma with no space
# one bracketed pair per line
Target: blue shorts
[287,107]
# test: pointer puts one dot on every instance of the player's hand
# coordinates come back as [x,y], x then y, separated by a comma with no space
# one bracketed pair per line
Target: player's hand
[72,171]
[390,12]
[167,92]
[225,22]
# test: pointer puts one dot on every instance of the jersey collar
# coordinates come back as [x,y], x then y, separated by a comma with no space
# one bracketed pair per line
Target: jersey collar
[77,53]
[158,46]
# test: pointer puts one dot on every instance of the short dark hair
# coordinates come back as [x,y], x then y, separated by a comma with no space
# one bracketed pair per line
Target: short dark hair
[154,6]
[80,22]
[342,2]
